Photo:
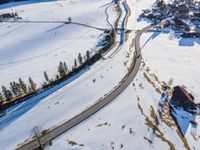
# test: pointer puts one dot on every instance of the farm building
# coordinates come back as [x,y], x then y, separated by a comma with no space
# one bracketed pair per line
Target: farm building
[182,98]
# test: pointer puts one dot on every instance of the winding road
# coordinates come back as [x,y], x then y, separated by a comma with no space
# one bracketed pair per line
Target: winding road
[123,84]
[33,144]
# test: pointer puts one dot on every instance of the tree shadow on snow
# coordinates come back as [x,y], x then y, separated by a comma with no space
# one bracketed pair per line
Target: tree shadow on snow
[153,36]
[9,3]
[16,111]
[182,41]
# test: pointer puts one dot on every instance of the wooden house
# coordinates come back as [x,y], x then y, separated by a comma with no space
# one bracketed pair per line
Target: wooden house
[182,98]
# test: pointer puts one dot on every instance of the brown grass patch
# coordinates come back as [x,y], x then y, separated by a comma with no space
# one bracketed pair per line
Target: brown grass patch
[154,126]
[73,143]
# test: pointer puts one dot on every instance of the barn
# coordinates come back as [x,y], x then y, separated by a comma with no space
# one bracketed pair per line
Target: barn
[182,98]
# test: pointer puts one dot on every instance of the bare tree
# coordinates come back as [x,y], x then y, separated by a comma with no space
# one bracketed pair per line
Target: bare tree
[36,131]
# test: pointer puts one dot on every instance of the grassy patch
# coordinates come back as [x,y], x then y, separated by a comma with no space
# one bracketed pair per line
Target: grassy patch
[153,125]
[73,143]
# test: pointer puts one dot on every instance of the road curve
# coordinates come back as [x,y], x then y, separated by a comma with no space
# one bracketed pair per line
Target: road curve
[33,144]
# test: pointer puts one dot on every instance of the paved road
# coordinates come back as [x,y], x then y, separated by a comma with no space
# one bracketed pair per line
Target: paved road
[96,107]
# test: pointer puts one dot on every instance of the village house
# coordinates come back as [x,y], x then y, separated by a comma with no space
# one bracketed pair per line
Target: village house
[180,15]
[182,98]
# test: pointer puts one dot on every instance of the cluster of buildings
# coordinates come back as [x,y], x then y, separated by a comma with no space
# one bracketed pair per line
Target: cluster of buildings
[179,15]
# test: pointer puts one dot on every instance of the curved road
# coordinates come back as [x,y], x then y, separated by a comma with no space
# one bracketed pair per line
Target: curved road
[97,106]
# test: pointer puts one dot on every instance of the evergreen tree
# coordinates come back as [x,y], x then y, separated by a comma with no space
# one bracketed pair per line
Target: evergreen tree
[2,111]
[61,69]
[46,77]
[44,84]
[29,89]
[80,59]
[13,88]
[4,90]
[32,84]
[87,55]
[57,77]
[75,63]
[7,93]
[18,88]
[65,67]
[23,85]
[1,98]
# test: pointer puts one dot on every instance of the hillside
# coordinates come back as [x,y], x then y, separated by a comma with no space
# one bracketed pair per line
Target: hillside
[119,102]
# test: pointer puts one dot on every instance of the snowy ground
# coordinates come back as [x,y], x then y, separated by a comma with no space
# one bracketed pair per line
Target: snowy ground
[132,120]
[120,125]
[69,100]
[173,58]
[128,122]
[28,49]
[178,59]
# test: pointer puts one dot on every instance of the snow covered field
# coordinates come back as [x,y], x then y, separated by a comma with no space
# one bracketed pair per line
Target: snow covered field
[132,120]
[173,58]
[28,49]
[128,122]
[70,100]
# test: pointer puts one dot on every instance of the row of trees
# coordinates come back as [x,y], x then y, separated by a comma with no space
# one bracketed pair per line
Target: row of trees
[20,89]
[17,89]
[63,69]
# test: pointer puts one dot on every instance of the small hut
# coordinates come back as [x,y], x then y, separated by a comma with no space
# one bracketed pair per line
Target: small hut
[182,98]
